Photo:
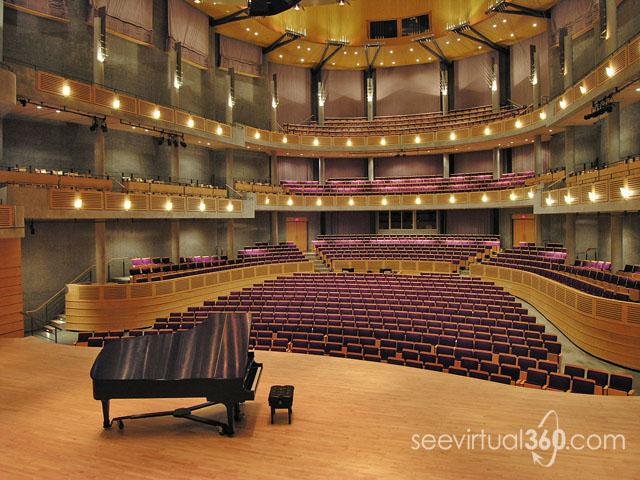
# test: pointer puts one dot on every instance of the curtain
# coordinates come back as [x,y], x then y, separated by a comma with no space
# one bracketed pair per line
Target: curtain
[345,93]
[474,222]
[131,18]
[345,168]
[473,162]
[294,92]
[48,8]
[406,90]
[522,159]
[297,169]
[243,57]
[471,81]
[189,26]
[411,165]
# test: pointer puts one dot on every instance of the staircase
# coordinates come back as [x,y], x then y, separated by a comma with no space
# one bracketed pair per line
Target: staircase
[318,265]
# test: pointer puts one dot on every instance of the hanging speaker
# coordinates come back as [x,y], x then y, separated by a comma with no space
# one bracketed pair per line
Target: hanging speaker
[533,67]
[602,21]
[562,33]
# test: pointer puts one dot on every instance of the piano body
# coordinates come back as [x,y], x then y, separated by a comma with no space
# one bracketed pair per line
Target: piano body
[212,361]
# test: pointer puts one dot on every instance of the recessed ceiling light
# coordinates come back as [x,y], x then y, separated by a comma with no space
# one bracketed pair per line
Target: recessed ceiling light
[255,33]
[248,29]
[302,60]
[535,25]
[393,63]
[411,49]
[280,56]
[494,25]
[512,35]
[333,63]
[358,64]
[355,53]
[308,49]
[458,39]
[479,47]
[417,60]
[298,47]
[391,52]
[504,20]
[447,42]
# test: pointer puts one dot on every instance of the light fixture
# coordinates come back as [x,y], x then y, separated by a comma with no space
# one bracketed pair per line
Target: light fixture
[384,201]
[513,197]
[593,196]
[202,207]
[126,204]
[267,201]
[568,199]
[418,200]
[351,202]
[190,122]
[290,201]
[494,85]
[487,131]
[625,192]
[417,139]
[115,103]
[484,198]
[583,89]
[452,136]
[168,206]
[349,142]
[316,142]
[229,207]
[257,135]
[77,203]
[319,202]
[530,194]
[563,103]
[518,124]
[219,130]
[383,141]
[156,114]
[543,115]
[66,90]
[285,139]
[535,25]
[452,199]
[609,71]
[549,201]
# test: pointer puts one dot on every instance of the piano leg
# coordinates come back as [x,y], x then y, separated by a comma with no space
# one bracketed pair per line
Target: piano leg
[237,412]
[106,423]
[231,414]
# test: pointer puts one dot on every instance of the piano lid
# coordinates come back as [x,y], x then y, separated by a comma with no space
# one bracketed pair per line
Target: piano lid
[215,349]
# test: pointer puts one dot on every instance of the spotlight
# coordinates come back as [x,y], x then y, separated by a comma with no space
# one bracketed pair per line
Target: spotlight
[23,101]
[183,144]
[94,125]
[103,126]
[175,142]
[160,140]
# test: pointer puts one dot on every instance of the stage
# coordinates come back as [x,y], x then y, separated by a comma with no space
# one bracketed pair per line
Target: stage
[351,419]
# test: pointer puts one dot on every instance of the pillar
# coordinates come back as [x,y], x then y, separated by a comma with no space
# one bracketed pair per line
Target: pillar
[172,64]
[98,67]
[99,153]
[370,93]
[538,154]
[370,169]
[273,169]
[495,88]
[175,240]
[611,42]
[275,229]
[616,241]
[320,100]
[175,164]
[231,249]
[444,88]
[568,60]
[228,160]
[613,134]
[445,165]
[274,103]
[570,237]
[228,113]
[569,149]
[497,163]
[538,225]
[1,28]
[321,175]
[101,249]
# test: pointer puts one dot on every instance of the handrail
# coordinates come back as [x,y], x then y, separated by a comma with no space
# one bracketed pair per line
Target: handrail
[54,306]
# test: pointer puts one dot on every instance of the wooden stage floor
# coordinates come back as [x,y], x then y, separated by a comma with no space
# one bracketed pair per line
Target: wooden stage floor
[352,419]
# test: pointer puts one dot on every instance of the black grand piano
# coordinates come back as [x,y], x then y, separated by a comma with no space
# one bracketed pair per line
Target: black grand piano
[212,361]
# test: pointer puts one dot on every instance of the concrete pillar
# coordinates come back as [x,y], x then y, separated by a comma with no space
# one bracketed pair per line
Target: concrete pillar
[175,241]
[321,175]
[172,65]
[616,241]
[98,67]
[1,28]
[497,163]
[275,232]
[570,237]
[611,42]
[273,169]
[101,249]
[231,249]
[495,88]
[99,154]
[538,154]
[445,165]
[175,164]
[569,149]
[370,169]
[613,134]
[228,113]
[228,158]
[568,60]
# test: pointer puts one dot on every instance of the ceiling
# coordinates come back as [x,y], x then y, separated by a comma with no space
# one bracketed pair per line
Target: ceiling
[326,20]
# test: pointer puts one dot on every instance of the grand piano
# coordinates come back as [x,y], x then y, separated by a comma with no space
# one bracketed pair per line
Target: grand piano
[211,361]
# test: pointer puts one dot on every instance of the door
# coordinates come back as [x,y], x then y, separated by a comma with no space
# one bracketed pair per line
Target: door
[297,232]
[524,229]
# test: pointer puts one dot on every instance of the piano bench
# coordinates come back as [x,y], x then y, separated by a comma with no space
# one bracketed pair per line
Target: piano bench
[281,397]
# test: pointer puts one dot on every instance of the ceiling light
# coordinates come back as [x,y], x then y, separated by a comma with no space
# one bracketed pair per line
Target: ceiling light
[411,49]
[484,198]
[535,25]
[255,33]
[126,204]
[308,49]
[504,20]
[77,203]
[280,56]
[512,35]
[302,60]
[39,107]
[115,103]
[494,25]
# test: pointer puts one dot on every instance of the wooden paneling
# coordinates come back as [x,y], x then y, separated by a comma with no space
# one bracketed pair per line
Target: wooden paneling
[117,307]
[608,329]
[403,266]
[11,321]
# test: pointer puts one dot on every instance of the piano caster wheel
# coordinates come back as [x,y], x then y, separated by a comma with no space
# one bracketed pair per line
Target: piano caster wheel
[120,424]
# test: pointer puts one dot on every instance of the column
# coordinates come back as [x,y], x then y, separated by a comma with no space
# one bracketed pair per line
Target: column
[101,248]
[568,60]
[570,237]
[497,163]
[495,88]
[175,240]
[370,93]
[616,241]
[1,28]
[175,164]
[228,114]
[538,224]
[320,100]
[321,174]
[273,169]
[231,249]
[99,153]
[538,154]
[445,165]
[98,67]
[444,88]
[569,149]
[228,158]
[611,42]
[274,103]
[613,134]
[172,63]
[275,231]
[370,169]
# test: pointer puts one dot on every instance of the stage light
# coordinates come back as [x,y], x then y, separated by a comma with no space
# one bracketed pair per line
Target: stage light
[77,203]
[183,144]
[160,140]
[126,204]
[94,125]
[103,126]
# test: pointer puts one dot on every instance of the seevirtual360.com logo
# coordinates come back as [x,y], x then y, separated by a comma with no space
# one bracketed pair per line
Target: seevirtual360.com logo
[545,442]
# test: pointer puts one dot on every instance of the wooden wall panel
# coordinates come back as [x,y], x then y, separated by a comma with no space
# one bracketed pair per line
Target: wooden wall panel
[11,320]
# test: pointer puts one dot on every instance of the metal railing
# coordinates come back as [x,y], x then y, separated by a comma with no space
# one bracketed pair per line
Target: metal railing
[37,318]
